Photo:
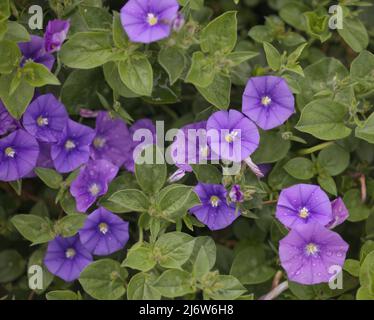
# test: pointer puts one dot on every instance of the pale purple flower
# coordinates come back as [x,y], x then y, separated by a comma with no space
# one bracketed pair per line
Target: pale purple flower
[104,232]
[67,257]
[34,50]
[92,182]
[268,101]
[112,139]
[236,136]
[87,113]
[236,195]
[178,22]
[214,210]
[339,213]
[7,122]
[73,148]
[148,20]
[303,204]
[45,118]
[19,152]
[311,253]
[254,167]
[55,34]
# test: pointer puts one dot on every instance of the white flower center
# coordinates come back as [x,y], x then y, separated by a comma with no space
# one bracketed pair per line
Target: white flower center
[214,200]
[94,189]
[103,227]
[304,213]
[42,121]
[99,142]
[152,19]
[311,249]
[9,152]
[265,101]
[70,253]
[231,136]
[69,144]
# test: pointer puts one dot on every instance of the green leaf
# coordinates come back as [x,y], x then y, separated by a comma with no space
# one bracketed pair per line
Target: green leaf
[151,177]
[174,283]
[140,257]
[220,34]
[250,266]
[202,70]
[16,186]
[113,79]
[363,293]
[12,266]
[317,25]
[137,74]
[334,159]
[70,225]
[273,57]
[225,287]
[104,280]
[203,256]
[87,50]
[33,228]
[261,34]
[10,56]
[120,37]
[218,92]
[140,287]
[324,119]
[50,177]
[272,147]
[354,33]
[38,75]
[173,249]
[327,183]
[4,10]
[61,295]
[292,13]
[367,273]
[357,210]
[366,132]
[207,173]
[17,102]
[16,32]
[238,57]
[352,266]
[173,60]
[300,168]
[36,259]
[131,199]
[68,204]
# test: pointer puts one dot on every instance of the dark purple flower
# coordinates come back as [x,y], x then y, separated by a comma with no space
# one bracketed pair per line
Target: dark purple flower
[34,50]
[45,118]
[92,182]
[339,213]
[236,136]
[265,168]
[148,128]
[214,210]
[73,147]
[67,257]
[311,254]
[112,140]
[268,101]
[104,232]
[44,159]
[55,34]
[236,195]
[303,204]
[148,20]
[19,152]
[7,122]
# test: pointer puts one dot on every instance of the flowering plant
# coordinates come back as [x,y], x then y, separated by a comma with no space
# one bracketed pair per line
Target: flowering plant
[261,188]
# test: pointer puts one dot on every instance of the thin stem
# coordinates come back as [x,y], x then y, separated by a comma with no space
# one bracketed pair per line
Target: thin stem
[316,148]
[277,291]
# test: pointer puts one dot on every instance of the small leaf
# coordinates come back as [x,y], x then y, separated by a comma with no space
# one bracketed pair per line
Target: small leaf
[300,168]
[131,199]
[273,57]
[38,75]
[140,257]
[50,177]
[61,295]
[69,225]
[173,60]
[140,287]
[174,283]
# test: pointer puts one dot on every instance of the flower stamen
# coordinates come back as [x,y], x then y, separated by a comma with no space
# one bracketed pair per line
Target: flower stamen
[265,101]
[94,189]
[311,249]
[103,227]
[304,213]
[10,152]
[70,253]
[152,19]
[42,121]
[214,201]
[69,144]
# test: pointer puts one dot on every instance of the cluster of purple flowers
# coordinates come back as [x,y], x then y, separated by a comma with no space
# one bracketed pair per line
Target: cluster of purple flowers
[311,251]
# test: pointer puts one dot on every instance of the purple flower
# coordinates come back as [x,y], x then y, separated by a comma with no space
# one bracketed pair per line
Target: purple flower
[303,204]
[44,159]
[92,182]
[73,147]
[55,34]
[236,136]
[104,232]
[19,152]
[148,20]
[339,213]
[67,257]
[236,195]
[112,140]
[7,122]
[45,118]
[34,50]
[148,128]
[268,101]
[214,210]
[178,22]
[265,168]
[310,253]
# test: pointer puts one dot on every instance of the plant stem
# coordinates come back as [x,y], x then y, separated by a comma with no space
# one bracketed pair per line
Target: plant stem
[315,148]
